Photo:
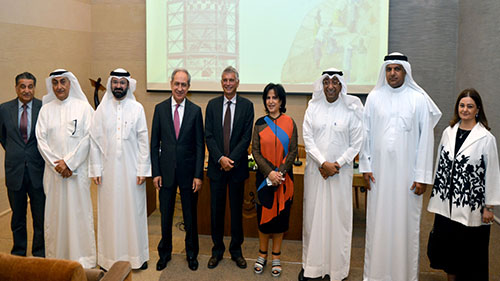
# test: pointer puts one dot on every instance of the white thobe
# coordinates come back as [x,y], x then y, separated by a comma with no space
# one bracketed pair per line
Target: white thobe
[62,132]
[122,229]
[332,133]
[398,150]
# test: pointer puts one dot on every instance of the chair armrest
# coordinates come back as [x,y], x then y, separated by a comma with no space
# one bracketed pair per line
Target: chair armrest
[119,271]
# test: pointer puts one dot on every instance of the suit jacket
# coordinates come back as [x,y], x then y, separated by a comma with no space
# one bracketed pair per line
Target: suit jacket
[182,157]
[17,153]
[240,137]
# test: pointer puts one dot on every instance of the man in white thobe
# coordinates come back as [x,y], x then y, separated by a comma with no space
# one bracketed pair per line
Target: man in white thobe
[119,165]
[396,160]
[62,133]
[333,135]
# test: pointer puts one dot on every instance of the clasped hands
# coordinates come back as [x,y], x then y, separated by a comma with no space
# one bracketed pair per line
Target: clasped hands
[328,169]
[226,164]
[63,169]
[276,177]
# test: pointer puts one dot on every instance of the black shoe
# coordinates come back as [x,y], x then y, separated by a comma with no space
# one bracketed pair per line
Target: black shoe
[301,276]
[240,261]
[162,263]
[144,266]
[192,263]
[213,261]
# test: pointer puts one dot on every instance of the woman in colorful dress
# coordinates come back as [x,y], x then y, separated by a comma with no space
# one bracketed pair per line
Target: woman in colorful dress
[274,148]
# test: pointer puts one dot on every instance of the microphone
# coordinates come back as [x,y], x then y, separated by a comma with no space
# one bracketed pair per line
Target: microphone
[297,161]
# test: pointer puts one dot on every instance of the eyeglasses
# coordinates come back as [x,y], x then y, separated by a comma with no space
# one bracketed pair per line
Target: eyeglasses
[328,82]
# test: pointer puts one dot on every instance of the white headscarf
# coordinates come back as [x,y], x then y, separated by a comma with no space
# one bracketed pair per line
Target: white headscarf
[119,73]
[399,58]
[75,90]
[351,102]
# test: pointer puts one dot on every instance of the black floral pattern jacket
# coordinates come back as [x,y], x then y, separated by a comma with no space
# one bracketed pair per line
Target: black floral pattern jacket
[473,172]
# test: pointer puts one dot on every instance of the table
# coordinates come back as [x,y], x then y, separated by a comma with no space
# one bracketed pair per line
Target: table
[249,212]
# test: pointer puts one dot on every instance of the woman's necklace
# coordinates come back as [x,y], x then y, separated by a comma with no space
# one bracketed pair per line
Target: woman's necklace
[462,133]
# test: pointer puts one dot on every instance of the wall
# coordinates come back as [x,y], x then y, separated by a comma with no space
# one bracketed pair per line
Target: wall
[40,36]
[478,57]
[446,53]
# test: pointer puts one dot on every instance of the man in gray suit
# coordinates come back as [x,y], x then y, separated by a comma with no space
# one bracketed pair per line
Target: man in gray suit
[23,164]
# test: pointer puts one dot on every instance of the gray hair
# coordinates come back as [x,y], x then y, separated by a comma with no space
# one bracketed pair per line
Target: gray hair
[231,69]
[181,70]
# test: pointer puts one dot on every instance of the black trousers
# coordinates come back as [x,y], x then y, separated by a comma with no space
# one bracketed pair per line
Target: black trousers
[189,201]
[218,189]
[18,200]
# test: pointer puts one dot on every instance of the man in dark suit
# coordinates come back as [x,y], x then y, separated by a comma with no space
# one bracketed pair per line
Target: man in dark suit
[177,155]
[228,128]
[23,164]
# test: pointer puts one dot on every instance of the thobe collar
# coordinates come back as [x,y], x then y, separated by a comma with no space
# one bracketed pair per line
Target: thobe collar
[397,90]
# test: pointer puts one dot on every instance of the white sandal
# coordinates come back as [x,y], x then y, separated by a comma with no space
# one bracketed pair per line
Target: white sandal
[276,269]
[259,265]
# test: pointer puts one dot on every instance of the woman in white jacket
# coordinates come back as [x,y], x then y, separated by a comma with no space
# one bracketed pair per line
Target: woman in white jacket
[466,188]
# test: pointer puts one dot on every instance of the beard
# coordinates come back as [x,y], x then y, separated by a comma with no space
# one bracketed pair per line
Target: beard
[119,93]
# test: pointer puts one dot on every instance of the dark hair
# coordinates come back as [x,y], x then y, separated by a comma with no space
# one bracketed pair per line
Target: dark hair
[280,92]
[26,75]
[473,94]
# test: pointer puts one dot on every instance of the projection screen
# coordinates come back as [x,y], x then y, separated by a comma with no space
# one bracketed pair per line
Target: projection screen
[281,41]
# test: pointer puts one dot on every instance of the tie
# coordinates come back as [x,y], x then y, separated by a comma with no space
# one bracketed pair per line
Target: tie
[227,128]
[177,123]
[23,127]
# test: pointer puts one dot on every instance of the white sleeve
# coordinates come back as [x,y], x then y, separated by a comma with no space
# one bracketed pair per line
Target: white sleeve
[41,137]
[355,141]
[308,135]
[492,176]
[143,159]
[425,149]
[365,152]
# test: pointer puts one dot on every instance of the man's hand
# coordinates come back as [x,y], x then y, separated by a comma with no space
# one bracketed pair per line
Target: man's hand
[329,169]
[60,166]
[66,173]
[369,177]
[140,180]
[97,180]
[196,184]
[275,177]
[418,187]
[157,182]
[226,163]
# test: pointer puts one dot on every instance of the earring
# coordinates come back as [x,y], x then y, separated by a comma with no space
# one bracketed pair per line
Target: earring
[477,115]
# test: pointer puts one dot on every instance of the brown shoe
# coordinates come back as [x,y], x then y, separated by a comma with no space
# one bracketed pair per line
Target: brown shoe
[240,261]
[213,261]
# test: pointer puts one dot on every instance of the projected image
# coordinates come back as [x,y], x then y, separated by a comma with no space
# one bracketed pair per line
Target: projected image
[288,42]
